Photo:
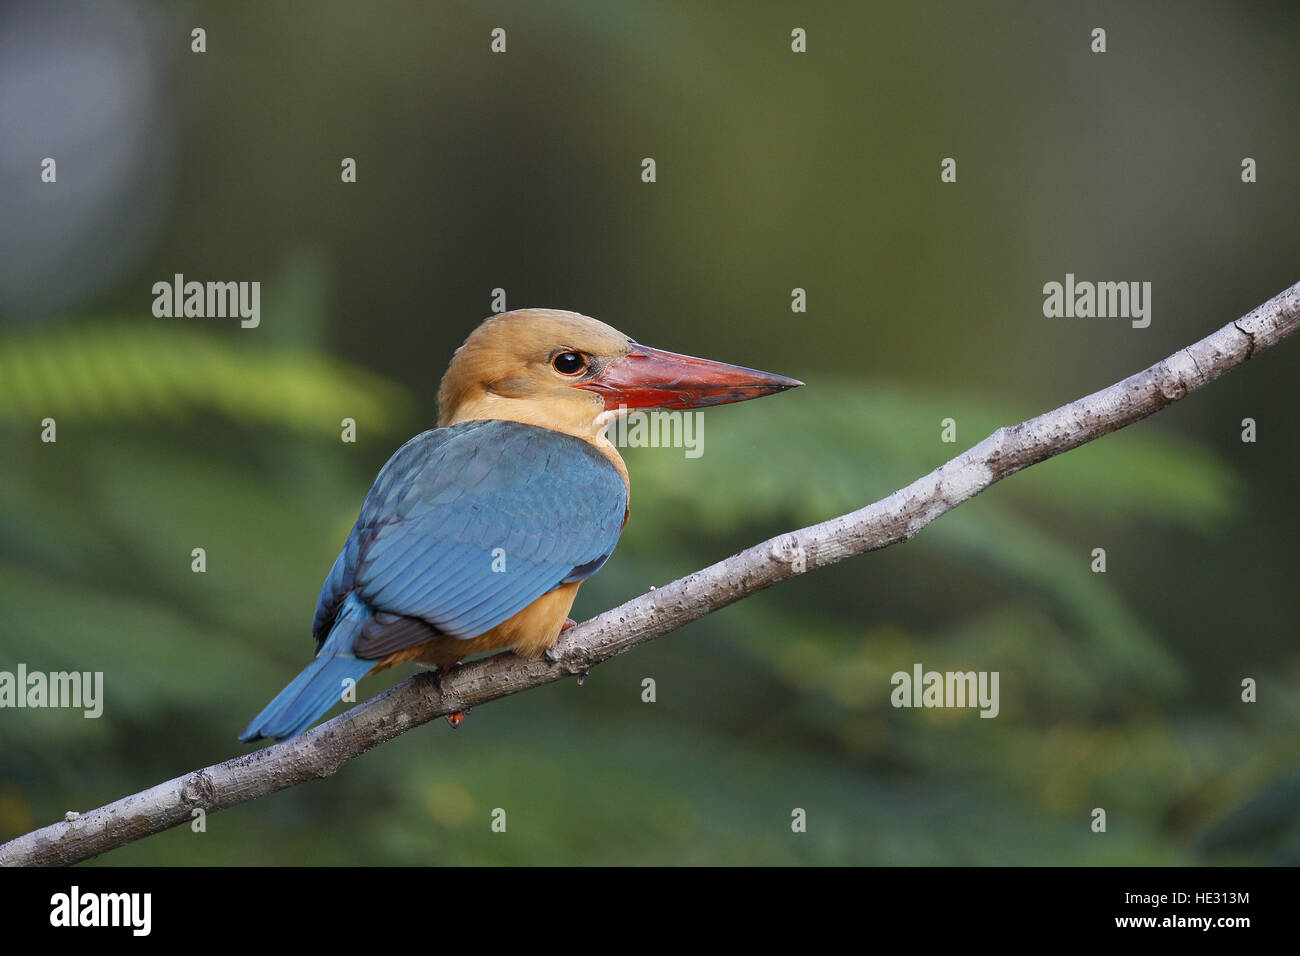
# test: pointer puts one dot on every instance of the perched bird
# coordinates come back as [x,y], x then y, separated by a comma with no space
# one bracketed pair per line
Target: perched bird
[477,533]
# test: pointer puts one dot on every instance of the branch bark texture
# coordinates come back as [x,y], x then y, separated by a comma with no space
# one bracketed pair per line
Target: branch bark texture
[324,749]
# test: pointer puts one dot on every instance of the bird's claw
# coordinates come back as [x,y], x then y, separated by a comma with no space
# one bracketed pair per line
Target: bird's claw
[456,717]
[442,672]
[551,655]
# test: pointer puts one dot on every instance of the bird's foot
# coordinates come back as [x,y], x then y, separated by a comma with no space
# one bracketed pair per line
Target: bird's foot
[442,671]
[550,654]
[456,717]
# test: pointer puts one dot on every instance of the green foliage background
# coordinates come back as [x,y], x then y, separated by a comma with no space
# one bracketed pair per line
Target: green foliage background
[820,171]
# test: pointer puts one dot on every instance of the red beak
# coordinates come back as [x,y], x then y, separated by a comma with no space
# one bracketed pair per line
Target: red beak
[650,378]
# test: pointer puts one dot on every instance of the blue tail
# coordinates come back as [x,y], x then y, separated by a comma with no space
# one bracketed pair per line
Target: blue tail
[320,685]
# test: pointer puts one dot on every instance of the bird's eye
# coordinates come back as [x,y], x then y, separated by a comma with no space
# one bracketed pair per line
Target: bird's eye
[569,363]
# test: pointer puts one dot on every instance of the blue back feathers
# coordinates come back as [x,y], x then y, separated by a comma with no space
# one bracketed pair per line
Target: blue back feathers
[462,529]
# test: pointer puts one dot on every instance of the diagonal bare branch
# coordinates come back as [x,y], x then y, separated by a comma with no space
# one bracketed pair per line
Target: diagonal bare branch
[321,751]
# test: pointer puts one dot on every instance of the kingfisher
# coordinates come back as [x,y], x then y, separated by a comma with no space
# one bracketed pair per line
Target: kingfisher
[476,534]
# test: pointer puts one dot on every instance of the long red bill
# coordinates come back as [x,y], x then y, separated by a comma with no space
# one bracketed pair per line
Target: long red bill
[651,378]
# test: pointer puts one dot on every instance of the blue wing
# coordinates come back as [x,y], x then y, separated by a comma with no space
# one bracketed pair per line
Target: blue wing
[468,525]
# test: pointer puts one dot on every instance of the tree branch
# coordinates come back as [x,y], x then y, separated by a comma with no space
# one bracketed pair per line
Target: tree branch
[322,750]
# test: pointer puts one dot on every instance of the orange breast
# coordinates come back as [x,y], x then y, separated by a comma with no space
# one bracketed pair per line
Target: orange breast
[530,632]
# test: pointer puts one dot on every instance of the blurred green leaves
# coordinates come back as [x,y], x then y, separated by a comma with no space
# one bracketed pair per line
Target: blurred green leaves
[171,370]
[127,371]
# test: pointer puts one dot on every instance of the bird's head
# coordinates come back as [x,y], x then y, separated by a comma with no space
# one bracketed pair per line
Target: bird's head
[572,373]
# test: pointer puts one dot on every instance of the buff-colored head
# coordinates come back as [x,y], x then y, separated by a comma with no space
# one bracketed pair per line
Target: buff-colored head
[571,373]
[513,366]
